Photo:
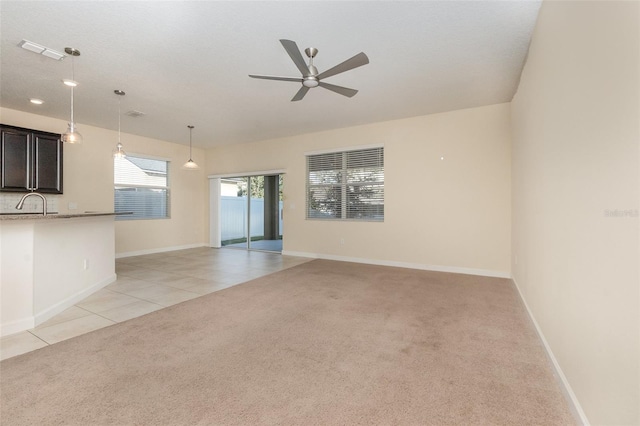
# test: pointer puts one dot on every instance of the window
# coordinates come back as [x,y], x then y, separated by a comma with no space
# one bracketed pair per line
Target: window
[346,185]
[141,187]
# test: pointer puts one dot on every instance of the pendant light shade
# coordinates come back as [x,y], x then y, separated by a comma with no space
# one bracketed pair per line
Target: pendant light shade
[119,151]
[72,135]
[190,165]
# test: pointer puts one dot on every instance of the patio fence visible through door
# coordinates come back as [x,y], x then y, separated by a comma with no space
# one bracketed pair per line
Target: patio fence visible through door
[233,211]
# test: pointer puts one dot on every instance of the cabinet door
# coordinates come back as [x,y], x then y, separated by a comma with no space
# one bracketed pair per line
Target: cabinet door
[47,153]
[16,159]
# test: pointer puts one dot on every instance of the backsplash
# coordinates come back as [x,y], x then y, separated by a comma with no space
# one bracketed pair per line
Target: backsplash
[9,201]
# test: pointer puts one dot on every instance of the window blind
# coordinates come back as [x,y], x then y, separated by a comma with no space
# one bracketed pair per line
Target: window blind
[346,185]
[142,187]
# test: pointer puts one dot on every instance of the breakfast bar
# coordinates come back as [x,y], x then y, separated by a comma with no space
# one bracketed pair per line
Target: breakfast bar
[49,263]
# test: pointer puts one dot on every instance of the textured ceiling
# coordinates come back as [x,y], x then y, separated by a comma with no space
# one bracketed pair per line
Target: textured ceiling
[188,62]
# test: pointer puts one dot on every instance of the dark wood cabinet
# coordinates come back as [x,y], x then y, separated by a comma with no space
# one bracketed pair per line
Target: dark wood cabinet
[30,160]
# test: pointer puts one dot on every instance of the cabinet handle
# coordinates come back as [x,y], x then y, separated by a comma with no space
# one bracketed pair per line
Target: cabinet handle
[37,181]
[37,166]
[29,177]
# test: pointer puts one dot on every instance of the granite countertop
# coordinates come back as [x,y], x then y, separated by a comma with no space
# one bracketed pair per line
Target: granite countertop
[39,216]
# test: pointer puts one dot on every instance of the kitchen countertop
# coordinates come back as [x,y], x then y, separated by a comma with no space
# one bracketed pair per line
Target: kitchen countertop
[39,216]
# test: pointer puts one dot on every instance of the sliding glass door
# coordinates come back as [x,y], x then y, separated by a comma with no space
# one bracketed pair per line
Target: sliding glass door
[251,212]
[233,212]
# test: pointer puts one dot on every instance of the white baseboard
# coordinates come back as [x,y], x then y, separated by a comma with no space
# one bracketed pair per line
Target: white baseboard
[40,317]
[159,250]
[570,396]
[17,326]
[54,310]
[425,267]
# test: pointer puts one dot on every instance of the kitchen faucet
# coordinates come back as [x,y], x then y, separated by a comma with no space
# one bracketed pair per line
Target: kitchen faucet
[25,196]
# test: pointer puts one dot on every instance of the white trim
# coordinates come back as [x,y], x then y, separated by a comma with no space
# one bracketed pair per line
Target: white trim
[570,396]
[242,174]
[16,326]
[158,250]
[54,310]
[148,156]
[215,239]
[437,268]
[350,148]
[28,323]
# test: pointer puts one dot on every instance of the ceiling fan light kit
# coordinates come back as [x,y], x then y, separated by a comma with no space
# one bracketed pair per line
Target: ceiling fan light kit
[310,76]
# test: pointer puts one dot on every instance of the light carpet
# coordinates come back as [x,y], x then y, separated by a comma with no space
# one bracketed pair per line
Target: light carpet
[321,343]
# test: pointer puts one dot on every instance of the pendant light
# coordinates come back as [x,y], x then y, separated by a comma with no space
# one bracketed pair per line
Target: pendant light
[119,152]
[190,165]
[72,135]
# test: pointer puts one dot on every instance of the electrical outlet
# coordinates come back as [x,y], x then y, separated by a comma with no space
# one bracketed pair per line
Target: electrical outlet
[341,240]
[86,264]
[73,205]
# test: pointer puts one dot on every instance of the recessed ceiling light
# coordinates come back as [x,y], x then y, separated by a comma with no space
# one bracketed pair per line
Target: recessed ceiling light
[36,101]
[70,83]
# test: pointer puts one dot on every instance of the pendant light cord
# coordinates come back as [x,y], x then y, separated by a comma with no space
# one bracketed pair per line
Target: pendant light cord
[119,101]
[73,77]
[190,155]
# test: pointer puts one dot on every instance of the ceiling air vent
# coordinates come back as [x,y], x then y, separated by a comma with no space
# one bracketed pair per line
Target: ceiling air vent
[45,51]
[134,113]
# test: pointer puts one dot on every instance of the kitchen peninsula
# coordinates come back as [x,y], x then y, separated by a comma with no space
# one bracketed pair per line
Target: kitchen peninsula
[49,263]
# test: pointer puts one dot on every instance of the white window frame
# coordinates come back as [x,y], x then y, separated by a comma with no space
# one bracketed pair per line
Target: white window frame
[166,188]
[344,184]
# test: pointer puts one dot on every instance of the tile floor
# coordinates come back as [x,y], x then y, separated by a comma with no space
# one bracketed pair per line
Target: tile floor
[268,245]
[148,283]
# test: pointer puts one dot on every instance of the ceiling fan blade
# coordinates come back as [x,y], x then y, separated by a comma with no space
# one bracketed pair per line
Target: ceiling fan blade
[357,61]
[273,77]
[345,91]
[292,49]
[303,91]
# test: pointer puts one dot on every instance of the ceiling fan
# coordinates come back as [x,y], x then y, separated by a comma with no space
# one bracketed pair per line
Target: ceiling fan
[310,77]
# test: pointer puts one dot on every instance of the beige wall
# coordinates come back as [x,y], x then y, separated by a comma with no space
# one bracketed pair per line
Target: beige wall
[88,181]
[575,123]
[451,214]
